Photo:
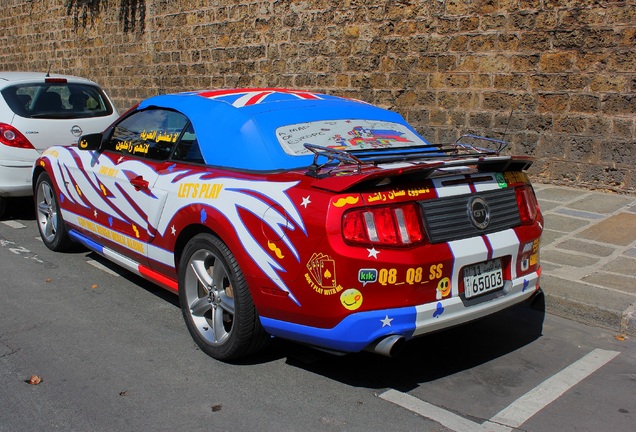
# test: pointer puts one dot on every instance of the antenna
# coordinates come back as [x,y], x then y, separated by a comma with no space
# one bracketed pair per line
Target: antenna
[48,72]
[503,137]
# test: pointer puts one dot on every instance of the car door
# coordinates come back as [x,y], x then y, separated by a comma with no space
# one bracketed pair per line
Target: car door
[125,172]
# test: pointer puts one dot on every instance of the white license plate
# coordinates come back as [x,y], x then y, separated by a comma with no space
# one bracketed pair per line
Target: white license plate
[482,278]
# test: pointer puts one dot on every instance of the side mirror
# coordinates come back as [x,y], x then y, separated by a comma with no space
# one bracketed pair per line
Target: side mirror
[90,142]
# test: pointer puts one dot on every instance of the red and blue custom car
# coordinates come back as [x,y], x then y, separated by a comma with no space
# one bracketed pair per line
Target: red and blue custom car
[305,216]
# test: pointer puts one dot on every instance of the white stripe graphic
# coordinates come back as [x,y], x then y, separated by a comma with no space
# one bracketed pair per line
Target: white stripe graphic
[488,185]
[466,251]
[450,190]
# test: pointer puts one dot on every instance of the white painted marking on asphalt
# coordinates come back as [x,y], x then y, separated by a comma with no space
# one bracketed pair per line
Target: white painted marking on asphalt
[520,410]
[548,391]
[440,415]
[13,224]
[102,267]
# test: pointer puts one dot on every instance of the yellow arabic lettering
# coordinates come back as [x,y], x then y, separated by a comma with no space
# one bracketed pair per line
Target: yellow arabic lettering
[148,135]
[124,145]
[167,137]
[141,148]
[418,192]
[374,198]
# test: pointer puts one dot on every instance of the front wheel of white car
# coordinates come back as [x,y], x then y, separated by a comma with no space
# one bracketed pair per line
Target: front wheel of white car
[49,217]
[215,300]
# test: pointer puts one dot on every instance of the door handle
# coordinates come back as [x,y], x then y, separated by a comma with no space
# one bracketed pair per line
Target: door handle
[139,183]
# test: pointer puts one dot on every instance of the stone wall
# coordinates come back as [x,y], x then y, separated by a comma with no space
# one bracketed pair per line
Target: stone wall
[558,77]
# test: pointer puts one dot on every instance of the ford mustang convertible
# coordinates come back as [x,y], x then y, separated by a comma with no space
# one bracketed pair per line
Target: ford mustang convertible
[279,213]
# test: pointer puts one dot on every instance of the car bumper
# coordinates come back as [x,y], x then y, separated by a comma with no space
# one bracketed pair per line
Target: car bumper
[361,330]
[15,178]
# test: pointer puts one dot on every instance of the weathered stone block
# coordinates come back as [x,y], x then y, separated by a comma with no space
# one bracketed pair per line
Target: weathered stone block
[585,103]
[621,152]
[557,62]
[619,104]
[553,102]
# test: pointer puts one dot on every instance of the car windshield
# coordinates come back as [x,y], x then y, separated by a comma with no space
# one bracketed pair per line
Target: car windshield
[348,134]
[57,100]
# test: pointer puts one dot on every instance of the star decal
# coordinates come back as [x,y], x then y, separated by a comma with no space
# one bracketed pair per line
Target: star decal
[386,321]
[95,213]
[305,202]
[173,230]
[120,159]
[373,253]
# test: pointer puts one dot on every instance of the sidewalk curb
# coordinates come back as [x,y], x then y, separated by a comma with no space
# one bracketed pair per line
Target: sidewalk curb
[628,322]
[617,321]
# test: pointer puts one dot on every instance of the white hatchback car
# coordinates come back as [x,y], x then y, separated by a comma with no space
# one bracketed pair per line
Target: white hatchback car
[39,110]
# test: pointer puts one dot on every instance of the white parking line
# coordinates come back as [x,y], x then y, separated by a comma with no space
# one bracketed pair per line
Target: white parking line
[13,224]
[440,415]
[102,267]
[520,410]
[549,390]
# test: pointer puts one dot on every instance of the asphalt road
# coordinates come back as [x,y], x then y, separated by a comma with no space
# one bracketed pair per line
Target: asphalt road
[114,354]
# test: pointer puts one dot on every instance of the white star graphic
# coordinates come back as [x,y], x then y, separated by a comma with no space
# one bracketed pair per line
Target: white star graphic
[373,252]
[120,159]
[305,202]
[95,213]
[173,230]
[386,321]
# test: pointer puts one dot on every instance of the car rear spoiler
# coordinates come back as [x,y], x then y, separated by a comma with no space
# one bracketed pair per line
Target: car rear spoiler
[341,179]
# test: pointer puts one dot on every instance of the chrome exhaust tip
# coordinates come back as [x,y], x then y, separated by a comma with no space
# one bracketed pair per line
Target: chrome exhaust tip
[388,346]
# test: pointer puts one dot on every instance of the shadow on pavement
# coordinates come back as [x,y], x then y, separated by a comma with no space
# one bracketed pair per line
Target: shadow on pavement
[429,357]
[422,360]
[19,208]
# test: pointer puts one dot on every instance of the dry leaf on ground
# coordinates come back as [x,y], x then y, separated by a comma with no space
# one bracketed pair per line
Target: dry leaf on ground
[35,380]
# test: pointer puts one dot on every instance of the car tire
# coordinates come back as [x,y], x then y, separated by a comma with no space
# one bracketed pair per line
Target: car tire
[215,301]
[49,216]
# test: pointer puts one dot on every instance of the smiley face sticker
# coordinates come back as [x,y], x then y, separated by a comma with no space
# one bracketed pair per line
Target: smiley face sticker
[443,288]
[351,299]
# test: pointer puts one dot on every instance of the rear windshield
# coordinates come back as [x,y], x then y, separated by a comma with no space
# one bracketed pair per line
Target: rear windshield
[345,135]
[57,100]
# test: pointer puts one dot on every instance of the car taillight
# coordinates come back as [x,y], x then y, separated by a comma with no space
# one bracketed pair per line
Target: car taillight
[55,80]
[12,137]
[527,203]
[390,225]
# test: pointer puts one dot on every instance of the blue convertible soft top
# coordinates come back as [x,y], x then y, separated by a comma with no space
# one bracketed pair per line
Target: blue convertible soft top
[255,129]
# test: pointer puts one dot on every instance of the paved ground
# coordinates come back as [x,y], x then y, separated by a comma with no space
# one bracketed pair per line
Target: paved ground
[588,254]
